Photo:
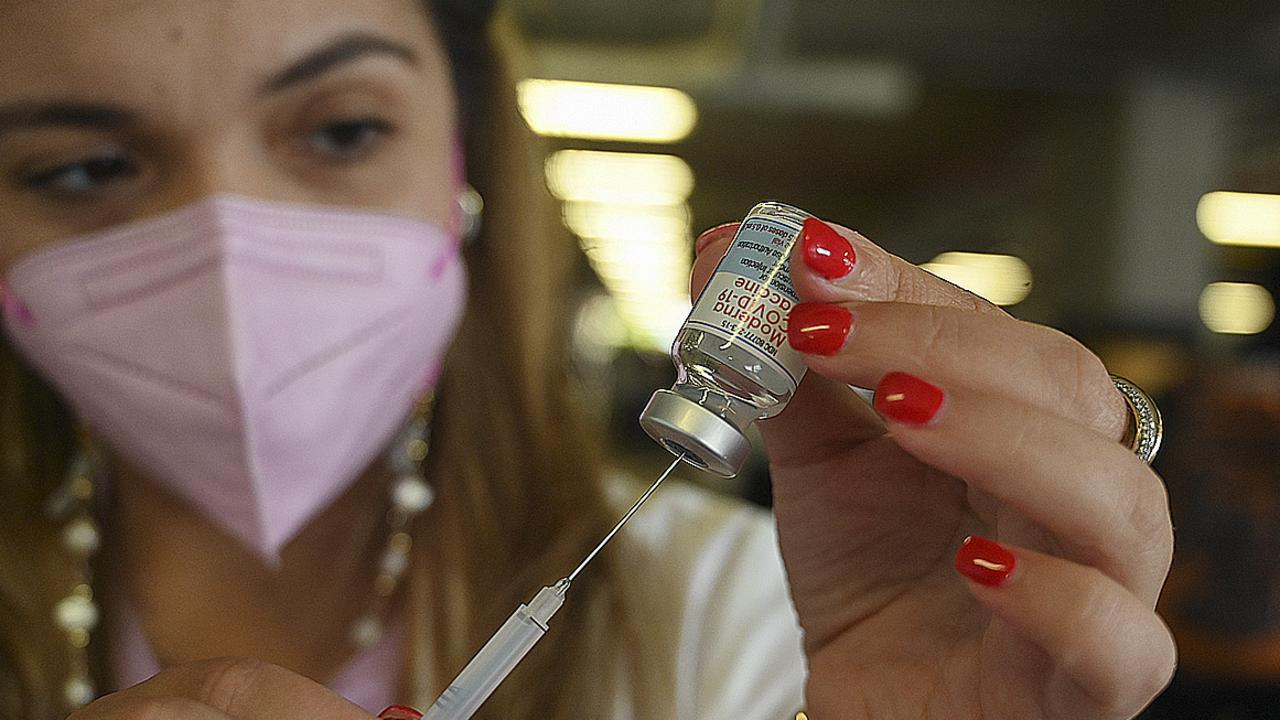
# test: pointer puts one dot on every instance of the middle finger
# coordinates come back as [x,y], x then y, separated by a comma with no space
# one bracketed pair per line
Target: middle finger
[858,342]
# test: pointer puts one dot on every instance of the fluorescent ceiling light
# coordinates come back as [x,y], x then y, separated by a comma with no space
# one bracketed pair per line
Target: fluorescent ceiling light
[1233,218]
[1001,279]
[1236,308]
[641,254]
[599,329]
[629,211]
[619,178]
[652,320]
[638,223]
[600,111]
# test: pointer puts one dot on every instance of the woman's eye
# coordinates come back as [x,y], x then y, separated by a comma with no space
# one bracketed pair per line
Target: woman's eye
[348,140]
[84,176]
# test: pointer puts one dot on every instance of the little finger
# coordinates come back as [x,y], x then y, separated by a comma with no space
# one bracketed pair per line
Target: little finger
[1103,504]
[1114,652]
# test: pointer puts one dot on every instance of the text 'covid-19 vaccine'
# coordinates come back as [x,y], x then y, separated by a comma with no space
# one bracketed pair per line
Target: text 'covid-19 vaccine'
[733,362]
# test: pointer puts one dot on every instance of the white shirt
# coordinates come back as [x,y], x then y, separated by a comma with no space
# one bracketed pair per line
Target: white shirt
[714,598]
[710,594]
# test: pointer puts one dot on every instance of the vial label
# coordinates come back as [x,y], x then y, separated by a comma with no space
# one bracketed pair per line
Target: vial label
[750,295]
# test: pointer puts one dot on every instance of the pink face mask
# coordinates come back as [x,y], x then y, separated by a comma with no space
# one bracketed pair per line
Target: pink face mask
[252,357]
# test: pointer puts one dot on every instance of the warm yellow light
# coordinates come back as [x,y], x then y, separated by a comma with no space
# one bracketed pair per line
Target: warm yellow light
[619,178]
[629,211]
[642,255]
[599,111]
[656,320]
[1001,279]
[599,329]
[1233,218]
[636,223]
[1236,308]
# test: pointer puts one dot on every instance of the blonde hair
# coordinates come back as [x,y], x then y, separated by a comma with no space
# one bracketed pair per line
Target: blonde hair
[518,481]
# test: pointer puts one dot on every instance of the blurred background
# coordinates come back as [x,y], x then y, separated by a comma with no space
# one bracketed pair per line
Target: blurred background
[1111,169]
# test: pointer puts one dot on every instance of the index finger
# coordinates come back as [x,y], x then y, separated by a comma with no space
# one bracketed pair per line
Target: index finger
[248,689]
[848,266]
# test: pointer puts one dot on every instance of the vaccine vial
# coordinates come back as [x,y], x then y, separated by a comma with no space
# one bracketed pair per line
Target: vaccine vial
[734,365]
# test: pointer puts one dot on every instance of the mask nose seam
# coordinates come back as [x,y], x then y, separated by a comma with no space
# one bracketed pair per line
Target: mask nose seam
[224,252]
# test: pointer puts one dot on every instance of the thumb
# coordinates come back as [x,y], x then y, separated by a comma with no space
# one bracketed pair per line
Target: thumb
[249,689]
[710,248]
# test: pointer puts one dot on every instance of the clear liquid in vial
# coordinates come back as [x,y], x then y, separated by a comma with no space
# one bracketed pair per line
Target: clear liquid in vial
[732,357]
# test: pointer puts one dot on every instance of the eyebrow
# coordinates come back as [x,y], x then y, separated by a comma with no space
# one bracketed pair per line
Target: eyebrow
[101,116]
[57,113]
[345,50]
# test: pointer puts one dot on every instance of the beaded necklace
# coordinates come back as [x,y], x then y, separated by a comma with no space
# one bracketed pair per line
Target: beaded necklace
[77,613]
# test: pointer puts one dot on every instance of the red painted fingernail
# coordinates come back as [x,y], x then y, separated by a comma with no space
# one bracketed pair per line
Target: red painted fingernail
[400,712]
[818,328]
[985,562]
[826,252]
[905,398]
[709,236]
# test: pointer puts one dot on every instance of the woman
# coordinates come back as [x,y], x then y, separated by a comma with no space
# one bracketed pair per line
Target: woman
[216,219]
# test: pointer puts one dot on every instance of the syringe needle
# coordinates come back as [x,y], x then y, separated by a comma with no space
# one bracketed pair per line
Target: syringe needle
[625,518]
[517,636]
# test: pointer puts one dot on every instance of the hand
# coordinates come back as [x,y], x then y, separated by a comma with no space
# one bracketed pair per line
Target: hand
[999,428]
[223,689]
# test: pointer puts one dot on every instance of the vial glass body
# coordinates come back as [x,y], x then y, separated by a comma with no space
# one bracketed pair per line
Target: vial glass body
[731,355]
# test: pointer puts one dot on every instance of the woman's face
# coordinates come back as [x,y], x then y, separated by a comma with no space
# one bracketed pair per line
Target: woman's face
[114,110]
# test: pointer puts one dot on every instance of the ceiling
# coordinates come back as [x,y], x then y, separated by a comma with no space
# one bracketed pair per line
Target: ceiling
[930,125]
[1024,43]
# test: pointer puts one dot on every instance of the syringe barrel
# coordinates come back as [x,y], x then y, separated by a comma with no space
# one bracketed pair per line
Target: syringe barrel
[488,668]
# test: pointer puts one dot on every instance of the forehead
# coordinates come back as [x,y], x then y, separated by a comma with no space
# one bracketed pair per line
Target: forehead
[157,49]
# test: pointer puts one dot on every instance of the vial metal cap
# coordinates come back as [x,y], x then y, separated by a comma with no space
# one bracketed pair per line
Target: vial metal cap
[683,426]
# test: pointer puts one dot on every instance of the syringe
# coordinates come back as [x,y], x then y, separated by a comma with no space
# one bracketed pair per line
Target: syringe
[518,635]
[499,656]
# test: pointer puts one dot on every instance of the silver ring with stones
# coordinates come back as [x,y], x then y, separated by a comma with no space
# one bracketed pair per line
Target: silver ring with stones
[1146,427]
